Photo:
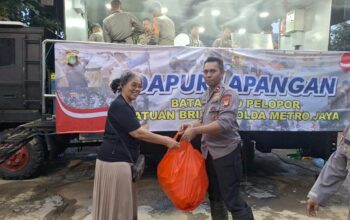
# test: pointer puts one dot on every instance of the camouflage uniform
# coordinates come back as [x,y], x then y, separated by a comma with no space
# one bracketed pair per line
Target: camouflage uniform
[96,37]
[334,173]
[220,42]
[195,42]
[146,39]
[222,153]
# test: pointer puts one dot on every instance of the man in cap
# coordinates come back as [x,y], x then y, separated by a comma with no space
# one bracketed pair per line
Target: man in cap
[332,175]
[163,26]
[120,26]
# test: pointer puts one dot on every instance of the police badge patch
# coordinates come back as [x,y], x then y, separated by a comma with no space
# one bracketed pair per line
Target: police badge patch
[226,100]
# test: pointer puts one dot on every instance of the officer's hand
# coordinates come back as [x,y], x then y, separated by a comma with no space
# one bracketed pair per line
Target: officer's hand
[311,207]
[183,128]
[171,143]
[189,134]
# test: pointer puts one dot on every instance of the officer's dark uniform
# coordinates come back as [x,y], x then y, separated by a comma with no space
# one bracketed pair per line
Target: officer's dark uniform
[222,153]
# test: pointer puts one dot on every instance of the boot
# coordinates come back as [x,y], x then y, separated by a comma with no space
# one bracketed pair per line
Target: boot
[218,210]
[244,214]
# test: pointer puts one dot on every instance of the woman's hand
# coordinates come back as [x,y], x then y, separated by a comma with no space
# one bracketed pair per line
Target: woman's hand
[171,143]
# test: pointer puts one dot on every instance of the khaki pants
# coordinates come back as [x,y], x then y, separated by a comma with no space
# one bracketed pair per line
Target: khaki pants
[114,193]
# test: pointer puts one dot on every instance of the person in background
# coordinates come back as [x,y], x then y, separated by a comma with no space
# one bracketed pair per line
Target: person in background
[147,38]
[194,38]
[225,39]
[220,144]
[332,176]
[269,30]
[96,33]
[163,26]
[120,26]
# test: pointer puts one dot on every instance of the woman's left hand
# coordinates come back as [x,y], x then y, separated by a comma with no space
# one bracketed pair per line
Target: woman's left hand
[171,143]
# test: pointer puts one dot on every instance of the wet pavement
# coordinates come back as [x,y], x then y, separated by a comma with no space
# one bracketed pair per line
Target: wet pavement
[275,188]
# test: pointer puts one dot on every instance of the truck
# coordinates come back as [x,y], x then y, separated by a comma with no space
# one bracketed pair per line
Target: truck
[23,126]
[27,107]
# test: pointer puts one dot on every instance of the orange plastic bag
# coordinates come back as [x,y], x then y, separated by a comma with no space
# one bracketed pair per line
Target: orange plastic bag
[182,176]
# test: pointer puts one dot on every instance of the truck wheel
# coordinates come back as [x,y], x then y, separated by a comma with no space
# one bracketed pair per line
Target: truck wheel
[25,162]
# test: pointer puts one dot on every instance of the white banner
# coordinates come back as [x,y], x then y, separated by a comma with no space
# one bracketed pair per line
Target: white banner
[279,90]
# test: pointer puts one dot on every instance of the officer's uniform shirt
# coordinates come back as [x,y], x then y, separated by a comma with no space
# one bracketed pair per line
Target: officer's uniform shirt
[166,29]
[220,105]
[147,39]
[96,37]
[220,42]
[334,172]
[119,26]
[195,42]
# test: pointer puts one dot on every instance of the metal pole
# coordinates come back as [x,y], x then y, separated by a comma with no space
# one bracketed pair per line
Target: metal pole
[43,76]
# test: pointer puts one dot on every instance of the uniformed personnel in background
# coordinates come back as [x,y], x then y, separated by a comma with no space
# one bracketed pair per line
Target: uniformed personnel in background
[120,26]
[163,26]
[148,37]
[224,40]
[96,33]
[194,37]
[220,144]
[332,176]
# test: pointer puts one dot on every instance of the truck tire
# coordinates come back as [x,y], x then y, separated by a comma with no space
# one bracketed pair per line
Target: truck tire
[25,162]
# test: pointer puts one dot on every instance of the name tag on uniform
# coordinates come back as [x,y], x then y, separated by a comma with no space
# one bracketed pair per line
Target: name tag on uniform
[213,111]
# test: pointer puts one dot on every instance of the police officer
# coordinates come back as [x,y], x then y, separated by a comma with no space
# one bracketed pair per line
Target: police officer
[119,26]
[163,26]
[220,144]
[96,33]
[194,37]
[332,175]
[148,37]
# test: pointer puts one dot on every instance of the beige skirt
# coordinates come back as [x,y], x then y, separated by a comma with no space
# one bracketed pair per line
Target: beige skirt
[114,194]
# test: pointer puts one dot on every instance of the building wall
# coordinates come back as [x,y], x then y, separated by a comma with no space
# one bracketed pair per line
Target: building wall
[317,25]
[75,20]
[316,28]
